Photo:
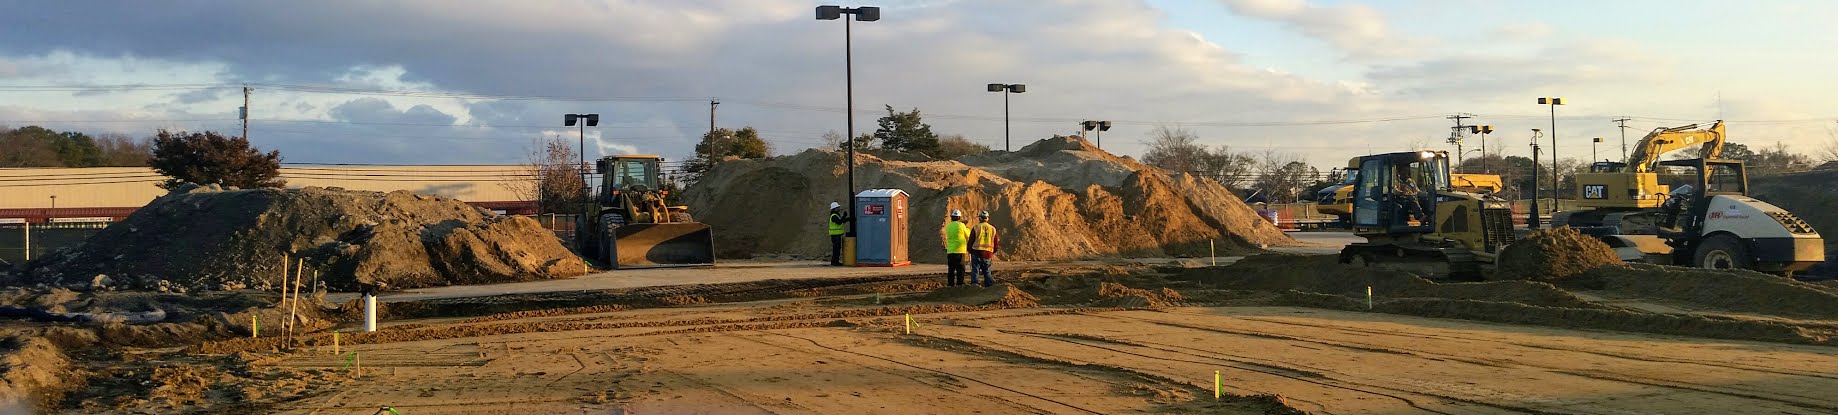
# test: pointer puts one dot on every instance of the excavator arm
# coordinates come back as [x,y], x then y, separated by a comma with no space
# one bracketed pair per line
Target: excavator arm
[1665,140]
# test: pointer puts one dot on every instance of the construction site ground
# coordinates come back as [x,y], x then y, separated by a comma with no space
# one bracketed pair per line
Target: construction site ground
[1281,333]
[845,355]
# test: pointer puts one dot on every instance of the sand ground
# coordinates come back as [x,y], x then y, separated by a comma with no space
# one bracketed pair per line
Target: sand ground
[717,359]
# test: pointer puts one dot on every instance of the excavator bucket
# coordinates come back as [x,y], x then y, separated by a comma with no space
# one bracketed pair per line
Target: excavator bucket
[642,245]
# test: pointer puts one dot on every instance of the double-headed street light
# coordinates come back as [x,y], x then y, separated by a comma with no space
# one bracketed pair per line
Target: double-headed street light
[583,121]
[1006,89]
[1553,103]
[1101,126]
[866,14]
[1483,130]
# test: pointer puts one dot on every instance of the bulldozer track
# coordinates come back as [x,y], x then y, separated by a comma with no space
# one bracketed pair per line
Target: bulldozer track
[993,385]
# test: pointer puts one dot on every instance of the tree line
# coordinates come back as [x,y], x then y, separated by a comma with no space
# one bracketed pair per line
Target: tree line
[34,146]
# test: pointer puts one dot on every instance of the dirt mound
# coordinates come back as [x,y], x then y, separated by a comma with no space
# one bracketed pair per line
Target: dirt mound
[34,373]
[1735,291]
[1324,274]
[1006,296]
[1118,295]
[206,238]
[1553,254]
[1055,199]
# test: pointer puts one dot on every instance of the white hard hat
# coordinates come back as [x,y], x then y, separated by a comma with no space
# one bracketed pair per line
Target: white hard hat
[983,214]
[957,213]
[834,205]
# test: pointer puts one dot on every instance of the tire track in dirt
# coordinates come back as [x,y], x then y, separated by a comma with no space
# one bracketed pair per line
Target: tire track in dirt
[992,385]
[1598,375]
[1304,376]
[1645,359]
[1017,405]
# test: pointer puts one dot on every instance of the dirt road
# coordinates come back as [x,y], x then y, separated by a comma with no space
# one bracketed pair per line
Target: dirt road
[807,356]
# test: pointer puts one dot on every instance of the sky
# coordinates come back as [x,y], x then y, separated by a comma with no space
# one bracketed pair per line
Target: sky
[479,81]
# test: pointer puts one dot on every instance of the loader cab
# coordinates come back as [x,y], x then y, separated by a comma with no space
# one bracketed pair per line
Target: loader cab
[627,173]
[1398,192]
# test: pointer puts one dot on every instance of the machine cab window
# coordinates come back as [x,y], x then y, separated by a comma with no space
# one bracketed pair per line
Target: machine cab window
[624,173]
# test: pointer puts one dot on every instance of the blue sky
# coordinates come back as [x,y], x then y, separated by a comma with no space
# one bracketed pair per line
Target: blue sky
[488,74]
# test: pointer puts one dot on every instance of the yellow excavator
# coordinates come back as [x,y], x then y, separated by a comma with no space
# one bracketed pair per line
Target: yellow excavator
[631,225]
[1414,220]
[1709,221]
[1627,195]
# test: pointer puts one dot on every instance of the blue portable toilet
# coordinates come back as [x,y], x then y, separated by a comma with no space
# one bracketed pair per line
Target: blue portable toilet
[881,228]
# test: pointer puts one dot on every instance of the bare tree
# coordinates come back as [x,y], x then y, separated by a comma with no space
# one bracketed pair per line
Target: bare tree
[551,177]
[951,147]
[1830,152]
[1282,176]
[1178,149]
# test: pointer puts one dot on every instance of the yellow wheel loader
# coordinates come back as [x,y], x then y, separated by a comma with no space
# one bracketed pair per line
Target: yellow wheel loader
[1414,220]
[632,226]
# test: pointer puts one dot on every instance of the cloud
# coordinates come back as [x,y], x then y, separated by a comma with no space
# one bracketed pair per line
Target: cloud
[1570,66]
[1522,31]
[774,66]
[1357,30]
[378,111]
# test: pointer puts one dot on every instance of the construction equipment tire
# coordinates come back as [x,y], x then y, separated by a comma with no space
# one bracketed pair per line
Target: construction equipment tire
[681,217]
[1722,252]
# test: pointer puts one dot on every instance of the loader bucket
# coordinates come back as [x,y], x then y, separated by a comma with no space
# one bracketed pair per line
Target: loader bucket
[663,244]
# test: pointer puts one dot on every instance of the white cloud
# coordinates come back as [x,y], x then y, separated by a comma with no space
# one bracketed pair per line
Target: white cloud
[1522,31]
[1357,30]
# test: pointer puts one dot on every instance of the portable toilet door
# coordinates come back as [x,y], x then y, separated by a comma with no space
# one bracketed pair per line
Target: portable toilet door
[881,228]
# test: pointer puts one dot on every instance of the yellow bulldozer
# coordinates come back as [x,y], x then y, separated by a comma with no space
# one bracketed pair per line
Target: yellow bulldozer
[1414,219]
[630,225]
[1337,200]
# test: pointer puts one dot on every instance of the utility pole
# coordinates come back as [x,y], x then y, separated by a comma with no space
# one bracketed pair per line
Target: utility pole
[1622,122]
[1531,220]
[711,115]
[1455,136]
[244,113]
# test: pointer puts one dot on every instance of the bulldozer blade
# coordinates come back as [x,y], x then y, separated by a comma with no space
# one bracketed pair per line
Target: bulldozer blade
[663,244]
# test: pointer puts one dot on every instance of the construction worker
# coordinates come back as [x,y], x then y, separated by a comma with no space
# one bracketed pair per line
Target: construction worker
[838,218]
[956,237]
[983,243]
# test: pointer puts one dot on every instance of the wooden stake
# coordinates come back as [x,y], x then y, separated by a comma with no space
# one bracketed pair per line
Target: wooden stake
[334,343]
[255,327]
[909,323]
[1218,384]
[295,309]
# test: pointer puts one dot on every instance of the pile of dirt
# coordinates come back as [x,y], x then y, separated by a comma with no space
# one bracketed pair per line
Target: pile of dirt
[1813,197]
[34,373]
[1740,291]
[1323,274]
[1005,296]
[1118,295]
[1055,199]
[1553,254]
[208,238]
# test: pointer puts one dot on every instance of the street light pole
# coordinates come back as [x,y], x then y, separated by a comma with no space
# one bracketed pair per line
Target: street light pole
[1531,220]
[1553,103]
[866,14]
[583,121]
[1006,89]
[1100,126]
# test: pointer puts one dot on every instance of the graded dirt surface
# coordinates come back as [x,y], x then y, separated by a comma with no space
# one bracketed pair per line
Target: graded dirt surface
[1284,333]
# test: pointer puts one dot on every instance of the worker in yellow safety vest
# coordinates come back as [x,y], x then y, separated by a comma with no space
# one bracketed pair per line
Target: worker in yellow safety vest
[838,218]
[956,237]
[983,242]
